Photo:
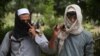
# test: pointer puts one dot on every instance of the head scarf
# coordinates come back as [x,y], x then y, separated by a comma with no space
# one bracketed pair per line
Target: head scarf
[71,28]
[21,28]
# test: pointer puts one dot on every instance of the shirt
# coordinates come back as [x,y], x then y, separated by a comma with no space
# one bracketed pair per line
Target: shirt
[26,47]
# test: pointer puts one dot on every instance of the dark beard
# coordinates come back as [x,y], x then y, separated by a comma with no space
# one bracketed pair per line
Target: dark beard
[21,28]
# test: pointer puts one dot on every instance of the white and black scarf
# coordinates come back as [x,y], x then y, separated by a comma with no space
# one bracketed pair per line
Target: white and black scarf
[75,28]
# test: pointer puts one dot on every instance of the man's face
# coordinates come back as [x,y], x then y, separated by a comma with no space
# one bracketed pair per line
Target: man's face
[24,17]
[72,16]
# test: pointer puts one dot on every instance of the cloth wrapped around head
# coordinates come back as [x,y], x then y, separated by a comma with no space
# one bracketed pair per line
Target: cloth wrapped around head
[21,28]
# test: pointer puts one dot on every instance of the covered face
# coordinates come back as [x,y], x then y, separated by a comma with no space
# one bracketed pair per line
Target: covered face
[73,19]
[22,17]
[71,15]
[24,14]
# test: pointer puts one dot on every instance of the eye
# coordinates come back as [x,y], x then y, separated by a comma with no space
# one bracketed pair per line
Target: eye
[70,14]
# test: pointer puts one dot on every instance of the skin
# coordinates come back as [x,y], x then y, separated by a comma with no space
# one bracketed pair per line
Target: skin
[57,30]
[72,18]
[26,17]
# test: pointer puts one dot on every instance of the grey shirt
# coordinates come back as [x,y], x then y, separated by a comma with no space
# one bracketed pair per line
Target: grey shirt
[78,45]
[26,47]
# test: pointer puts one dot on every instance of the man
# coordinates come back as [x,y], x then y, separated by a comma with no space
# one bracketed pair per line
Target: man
[24,39]
[72,39]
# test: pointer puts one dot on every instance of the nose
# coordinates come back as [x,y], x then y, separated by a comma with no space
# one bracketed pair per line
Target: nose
[25,17]
[72,19]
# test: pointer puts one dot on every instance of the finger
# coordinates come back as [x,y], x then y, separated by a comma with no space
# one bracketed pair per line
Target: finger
[30,30]
[30,25]
[58,26]
[62,26]
[55,27]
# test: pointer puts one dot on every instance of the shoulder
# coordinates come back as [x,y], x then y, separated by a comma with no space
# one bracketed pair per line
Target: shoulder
[87,35]
[6,37]
[9,32]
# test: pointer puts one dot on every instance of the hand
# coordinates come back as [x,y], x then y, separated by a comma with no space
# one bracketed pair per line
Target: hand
[32,30]
[56,30]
